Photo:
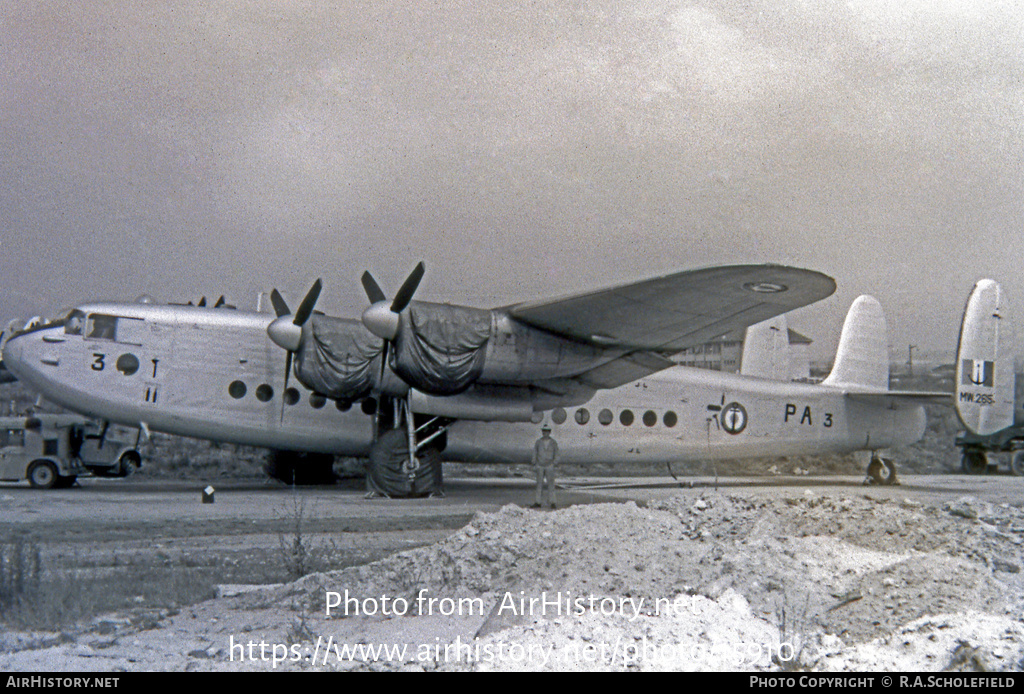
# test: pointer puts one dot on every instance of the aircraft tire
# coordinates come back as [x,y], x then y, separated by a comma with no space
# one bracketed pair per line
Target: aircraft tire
[882,471]
[974,462]
[42,474]
[385,475]
[1017,463]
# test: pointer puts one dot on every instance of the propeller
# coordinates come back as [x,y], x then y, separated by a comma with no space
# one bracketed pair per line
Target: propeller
[286,330]
[383,319]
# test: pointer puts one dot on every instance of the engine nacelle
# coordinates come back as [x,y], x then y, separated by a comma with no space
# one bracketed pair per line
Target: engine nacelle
[483,403]
[439,350]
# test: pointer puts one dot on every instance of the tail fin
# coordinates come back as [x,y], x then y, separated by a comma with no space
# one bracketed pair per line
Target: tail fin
[862,359]
[766,350]
[984,362]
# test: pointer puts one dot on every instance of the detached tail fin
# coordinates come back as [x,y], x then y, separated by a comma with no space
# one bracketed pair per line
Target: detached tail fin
[984,362]
[862,359]
[766,350]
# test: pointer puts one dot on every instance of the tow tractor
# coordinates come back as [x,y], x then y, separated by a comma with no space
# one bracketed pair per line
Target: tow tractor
[977,458]
[52,450]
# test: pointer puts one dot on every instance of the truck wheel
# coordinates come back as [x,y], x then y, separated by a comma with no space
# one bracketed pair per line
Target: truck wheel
[42,474]
[974,462]
[128,464]
[1017,463]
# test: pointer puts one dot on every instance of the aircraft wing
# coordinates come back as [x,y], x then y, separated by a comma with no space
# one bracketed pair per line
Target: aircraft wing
[670,313]
[623,370]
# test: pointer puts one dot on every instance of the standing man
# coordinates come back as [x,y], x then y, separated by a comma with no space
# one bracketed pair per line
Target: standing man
[545,458]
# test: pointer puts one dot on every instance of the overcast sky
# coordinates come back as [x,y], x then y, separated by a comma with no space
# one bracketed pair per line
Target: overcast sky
[520,149]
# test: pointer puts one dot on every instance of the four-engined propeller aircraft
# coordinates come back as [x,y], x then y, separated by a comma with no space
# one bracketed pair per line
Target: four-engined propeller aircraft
[413,383]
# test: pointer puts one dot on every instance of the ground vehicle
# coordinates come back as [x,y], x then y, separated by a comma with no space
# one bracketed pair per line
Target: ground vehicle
[51,450]
[978,450]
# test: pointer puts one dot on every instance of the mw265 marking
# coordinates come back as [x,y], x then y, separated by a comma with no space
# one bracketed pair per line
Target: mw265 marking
[977,398]
[806,417]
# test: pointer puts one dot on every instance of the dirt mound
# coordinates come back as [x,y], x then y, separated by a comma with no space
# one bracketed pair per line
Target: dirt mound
[716,582]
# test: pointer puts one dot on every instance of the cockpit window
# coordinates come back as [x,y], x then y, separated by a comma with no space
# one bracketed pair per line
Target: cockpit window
[101,326]
[74,323]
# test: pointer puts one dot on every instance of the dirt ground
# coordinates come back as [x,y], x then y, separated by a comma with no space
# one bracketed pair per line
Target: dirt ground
[809,573]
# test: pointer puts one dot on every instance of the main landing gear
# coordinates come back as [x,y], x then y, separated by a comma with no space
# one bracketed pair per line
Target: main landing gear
[405,459]
[881,471]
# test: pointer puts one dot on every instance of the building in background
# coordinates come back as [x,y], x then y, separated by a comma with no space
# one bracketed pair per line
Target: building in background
[724,354]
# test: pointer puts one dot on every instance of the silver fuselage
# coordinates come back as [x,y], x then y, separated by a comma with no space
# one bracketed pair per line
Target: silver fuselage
[215,374]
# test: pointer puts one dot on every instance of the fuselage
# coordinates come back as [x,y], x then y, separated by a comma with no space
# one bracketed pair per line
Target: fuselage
[214,373]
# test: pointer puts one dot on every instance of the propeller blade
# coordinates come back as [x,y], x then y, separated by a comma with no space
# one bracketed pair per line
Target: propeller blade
[280,307]
[287,373]
[408,288]
[383,363]
[372,289]
[306,307]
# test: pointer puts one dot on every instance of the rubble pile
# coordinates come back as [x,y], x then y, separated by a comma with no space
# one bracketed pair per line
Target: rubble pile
[716,582]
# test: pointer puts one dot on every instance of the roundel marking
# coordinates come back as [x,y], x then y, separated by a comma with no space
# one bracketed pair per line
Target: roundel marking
[734,418]
[765,287]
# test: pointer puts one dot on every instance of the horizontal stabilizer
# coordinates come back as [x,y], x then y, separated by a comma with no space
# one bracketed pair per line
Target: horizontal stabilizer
[984,362]
[862,359]
[909,397]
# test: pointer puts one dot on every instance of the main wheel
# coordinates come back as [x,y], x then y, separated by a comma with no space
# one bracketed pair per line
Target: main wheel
[42,474]
[387,473]
[1017,463]
[882,471]
[974,462]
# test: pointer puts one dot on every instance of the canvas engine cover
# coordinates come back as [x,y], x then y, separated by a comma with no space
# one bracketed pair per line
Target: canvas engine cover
[336,362]
[440,349]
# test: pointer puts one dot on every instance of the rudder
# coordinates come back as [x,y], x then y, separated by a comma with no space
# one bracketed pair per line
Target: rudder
[984,362]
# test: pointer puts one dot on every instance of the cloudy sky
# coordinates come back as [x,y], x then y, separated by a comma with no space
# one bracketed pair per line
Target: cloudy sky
[521,150]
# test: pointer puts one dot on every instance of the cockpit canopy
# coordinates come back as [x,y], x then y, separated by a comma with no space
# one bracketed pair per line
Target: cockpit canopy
[96,326]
